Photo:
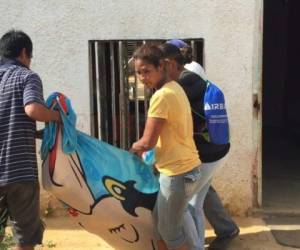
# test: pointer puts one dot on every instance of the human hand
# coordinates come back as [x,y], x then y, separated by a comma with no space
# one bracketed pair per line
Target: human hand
[136,149]
[57,117]
[55,112]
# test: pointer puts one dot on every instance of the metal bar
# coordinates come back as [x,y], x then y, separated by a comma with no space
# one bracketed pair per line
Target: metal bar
[137,110]
[122,105]
[200,52]
[102,86]
[93,89]
[113,93]
[97,92]
[202,56]
[146,100]
[126,95]
[194,50]
[136,105]
[146,94]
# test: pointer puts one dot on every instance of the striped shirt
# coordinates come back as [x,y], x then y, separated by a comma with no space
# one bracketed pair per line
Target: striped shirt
[19,86]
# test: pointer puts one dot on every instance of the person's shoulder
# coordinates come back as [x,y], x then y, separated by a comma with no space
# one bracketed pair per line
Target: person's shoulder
[172,84]
[170,87]
[23,71]
[174,89]
[30,75]
[29,71]
[190,78]
[166,90]
[187,74]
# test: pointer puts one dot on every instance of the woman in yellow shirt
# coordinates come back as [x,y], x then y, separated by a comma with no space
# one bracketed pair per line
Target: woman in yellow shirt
[169,129]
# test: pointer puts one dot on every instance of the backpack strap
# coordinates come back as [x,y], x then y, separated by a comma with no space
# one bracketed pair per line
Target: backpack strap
[198,114]
[207,82]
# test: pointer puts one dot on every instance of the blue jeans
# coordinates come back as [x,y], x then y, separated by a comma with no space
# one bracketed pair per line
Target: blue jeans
[217,216]
[194,221]
[171,214]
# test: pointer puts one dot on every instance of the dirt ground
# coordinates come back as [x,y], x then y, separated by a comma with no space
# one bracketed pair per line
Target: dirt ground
[63,234]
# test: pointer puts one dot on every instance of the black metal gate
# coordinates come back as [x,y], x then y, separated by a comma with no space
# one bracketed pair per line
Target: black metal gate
[118,101]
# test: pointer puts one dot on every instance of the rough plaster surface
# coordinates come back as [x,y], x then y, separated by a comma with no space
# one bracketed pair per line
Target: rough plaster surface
[60,31]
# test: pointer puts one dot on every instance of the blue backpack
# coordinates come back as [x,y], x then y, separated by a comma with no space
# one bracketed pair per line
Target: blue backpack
[215,115]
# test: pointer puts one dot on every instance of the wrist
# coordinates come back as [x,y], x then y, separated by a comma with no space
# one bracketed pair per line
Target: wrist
[141,146]
[56,116]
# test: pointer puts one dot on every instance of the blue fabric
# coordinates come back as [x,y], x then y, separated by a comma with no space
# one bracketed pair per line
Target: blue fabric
[98,159]
[216,115]
[149,157]
[69,139]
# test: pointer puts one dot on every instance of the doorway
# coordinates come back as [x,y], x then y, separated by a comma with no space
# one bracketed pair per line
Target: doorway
[281,105]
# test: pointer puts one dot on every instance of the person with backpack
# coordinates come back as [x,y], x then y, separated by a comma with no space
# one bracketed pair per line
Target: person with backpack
[180,57]
[21,105]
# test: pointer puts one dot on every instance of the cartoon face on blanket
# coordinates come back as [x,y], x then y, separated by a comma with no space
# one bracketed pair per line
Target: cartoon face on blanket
[111,194]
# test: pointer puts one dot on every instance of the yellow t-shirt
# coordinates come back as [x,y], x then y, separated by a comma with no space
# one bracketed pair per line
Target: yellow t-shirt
[176,152]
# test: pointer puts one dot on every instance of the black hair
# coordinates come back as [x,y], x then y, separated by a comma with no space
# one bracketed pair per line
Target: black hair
[149,53]
[172,52]
[12,43]
[187,54]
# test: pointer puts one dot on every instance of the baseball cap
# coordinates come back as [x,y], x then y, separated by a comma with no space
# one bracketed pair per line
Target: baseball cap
[178,43]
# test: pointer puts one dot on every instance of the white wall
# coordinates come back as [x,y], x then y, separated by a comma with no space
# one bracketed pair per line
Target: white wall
[60,31]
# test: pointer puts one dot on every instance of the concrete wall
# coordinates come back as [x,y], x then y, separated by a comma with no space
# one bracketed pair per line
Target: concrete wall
[60,31]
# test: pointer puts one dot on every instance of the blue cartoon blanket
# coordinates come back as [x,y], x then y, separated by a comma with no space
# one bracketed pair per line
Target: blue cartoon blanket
[108,191]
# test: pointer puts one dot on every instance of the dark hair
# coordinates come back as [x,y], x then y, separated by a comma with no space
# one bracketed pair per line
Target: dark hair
[12,43]
[172,52]
[149,53]
[187,54]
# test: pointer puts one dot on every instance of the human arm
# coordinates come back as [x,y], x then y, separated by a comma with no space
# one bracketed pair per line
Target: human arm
[33,101]
[150,136]
[39,112]
[157,117]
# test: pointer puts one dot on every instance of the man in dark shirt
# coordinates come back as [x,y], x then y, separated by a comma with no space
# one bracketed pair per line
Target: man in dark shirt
[195,87]
[21,105]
